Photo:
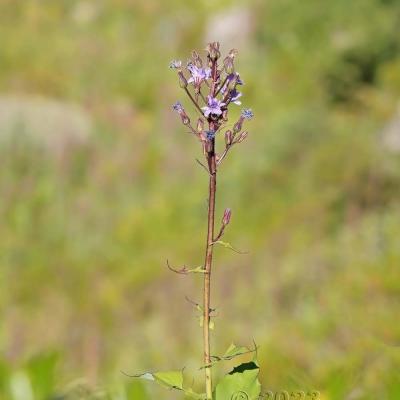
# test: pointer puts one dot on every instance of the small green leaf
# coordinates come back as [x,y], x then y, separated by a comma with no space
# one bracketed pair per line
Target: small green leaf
[229,246]
[234,351]
[189,393]
[170,379]
[241,382]
[201,322]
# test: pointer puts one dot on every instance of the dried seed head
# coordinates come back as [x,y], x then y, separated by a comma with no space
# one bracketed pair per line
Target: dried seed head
[242,136]
[213,51]
[227,216]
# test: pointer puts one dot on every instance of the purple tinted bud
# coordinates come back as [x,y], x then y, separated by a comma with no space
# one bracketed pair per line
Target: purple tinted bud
[228,65]
[178,107]
[200,125]
[175,64]
[238,125]
[247,113]
[228,137]
[185,119]
[227,216]
[232,82]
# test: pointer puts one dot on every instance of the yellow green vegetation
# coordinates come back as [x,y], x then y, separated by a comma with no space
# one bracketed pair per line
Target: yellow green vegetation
[99,186]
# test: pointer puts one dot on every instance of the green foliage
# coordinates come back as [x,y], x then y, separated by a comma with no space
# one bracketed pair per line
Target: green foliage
[241,382]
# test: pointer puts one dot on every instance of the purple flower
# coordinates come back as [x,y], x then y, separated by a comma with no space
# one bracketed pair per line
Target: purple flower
[175,64]
[233,79]
[210,135]
[234,76]
[178,107]
[235,96]
[198,74]
[247,113]
[213,106]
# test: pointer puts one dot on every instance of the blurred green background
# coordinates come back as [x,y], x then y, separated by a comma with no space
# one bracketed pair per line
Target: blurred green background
[99,185]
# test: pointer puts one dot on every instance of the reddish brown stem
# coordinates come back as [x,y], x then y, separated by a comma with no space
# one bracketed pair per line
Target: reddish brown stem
[207,266]
[212,189]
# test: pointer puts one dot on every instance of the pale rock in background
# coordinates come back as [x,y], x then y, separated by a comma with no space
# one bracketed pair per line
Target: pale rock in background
[55,125]
[231,27]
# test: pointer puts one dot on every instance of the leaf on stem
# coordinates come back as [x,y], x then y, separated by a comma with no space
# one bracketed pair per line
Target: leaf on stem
[241,381]
[229,246]
[232,352]
[185,270]
[169,380]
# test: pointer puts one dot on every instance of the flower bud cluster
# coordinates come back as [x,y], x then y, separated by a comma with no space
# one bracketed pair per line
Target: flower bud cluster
[212,89]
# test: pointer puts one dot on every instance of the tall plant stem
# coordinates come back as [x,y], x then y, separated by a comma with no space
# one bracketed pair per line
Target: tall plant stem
[212,187]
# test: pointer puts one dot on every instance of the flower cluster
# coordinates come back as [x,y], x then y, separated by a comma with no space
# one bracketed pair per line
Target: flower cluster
[212,88]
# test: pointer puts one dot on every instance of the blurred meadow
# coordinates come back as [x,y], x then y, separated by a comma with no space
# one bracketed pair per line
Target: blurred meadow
[99,186]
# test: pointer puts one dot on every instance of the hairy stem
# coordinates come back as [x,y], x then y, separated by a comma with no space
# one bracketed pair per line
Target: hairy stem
[207,267]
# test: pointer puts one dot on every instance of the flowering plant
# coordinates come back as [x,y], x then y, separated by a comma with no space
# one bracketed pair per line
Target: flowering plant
[212,89]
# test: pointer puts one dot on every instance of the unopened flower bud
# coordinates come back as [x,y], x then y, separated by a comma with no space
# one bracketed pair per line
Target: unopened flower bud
[225,115]
[232,83]
[178,107]
[185,119]
[200,125]
[228,137]
[228,65]
[196,59]
[238,125]
[175,64]
[182,80]
[213,51]
[242,136]
[227,216]
[232,53]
